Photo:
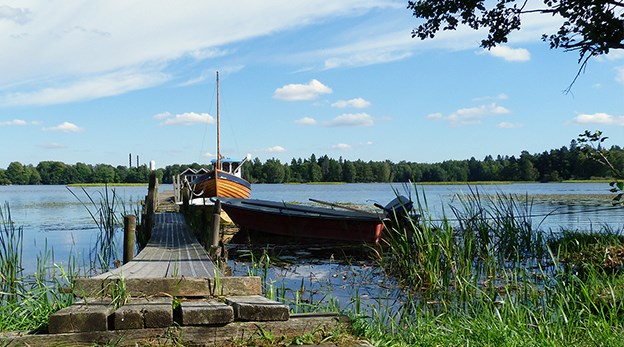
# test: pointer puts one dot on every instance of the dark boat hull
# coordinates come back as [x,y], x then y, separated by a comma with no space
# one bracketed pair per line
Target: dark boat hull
[223,185]
[303,221]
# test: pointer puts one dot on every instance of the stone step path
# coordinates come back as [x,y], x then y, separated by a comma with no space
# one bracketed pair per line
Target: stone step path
[161,312]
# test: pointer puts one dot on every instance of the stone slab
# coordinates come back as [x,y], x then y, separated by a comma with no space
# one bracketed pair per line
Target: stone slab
[205,312]
[200,335]
[158,313]
[257,308]
[144,313]
[82,316]
[239,286]
[170,286]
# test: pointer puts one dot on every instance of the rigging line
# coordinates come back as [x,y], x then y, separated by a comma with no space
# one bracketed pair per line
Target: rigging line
[203,142]
[229,124]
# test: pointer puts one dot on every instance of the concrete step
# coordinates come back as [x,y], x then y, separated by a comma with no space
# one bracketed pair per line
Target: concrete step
[142,313]
[257,308]
[204,312]
[83,316]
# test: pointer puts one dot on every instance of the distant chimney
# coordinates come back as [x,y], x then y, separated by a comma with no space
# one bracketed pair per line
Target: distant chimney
[130,160]
[137,160]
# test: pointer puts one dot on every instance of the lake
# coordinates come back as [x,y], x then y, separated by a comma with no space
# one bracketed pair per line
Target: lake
[52,215]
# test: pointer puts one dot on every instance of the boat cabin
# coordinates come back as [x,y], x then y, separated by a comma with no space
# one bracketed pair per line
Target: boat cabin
[229,165]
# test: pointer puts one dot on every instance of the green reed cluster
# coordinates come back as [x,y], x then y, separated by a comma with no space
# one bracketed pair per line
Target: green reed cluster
[107,213]
[26,301]
[487,276]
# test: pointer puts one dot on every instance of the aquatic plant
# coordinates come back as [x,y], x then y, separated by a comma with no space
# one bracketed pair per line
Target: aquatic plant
[107,214]
[11,240]
[26,301]
[488,276]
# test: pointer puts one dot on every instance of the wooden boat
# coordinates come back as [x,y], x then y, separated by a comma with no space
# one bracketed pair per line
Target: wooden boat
[305,221]
[225,179]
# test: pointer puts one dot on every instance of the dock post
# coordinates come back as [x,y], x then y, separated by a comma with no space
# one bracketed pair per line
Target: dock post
[129,237]
[216,230]
[186,197]
[150,204]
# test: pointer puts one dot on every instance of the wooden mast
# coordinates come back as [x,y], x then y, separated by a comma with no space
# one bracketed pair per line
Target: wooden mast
[218,166]
[218,127]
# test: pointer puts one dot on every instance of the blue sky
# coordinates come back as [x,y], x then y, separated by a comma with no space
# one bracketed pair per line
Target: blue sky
[95,81]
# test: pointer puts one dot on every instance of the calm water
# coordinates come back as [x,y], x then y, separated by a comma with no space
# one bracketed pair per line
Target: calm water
[52,215]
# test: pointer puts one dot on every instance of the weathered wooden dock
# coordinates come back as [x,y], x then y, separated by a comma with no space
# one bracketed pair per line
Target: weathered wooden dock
[170,293]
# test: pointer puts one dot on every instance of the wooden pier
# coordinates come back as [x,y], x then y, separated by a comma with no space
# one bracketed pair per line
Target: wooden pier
[170,293]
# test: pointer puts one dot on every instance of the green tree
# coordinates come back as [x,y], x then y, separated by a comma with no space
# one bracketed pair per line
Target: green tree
[84,172]
[334,171]
[315,174]
[349,172]
[3,179]
[103,173]
[17,173]
[588,26]
[53,172]
[33,175]
[273,171]
[528,172]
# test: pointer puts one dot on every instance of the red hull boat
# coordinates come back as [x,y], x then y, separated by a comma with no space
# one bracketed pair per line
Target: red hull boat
[304,221]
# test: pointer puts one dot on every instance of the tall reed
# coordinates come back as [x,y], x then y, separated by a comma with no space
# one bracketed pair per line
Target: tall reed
[26,301]
[107,214]
[488,276]
[11,240]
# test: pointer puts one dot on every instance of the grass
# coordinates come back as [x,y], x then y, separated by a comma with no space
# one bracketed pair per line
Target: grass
[483,276]
[26,301]
[493,278]
[486,275]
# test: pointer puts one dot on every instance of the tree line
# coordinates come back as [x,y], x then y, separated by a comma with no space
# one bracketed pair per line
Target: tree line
[565,163]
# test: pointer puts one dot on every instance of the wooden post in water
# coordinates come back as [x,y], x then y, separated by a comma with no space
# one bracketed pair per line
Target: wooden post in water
[186,197]
[150,205]
[216,230]
[129,237]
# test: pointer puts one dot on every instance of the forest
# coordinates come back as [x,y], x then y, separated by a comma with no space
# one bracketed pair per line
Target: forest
[566,163]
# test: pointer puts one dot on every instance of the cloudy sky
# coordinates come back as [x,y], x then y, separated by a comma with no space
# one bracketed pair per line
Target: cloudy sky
[95,81]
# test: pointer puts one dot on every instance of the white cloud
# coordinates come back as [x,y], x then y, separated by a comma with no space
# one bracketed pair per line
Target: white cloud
[509,54]
[296,92]
[355,103]
[87,89]
[366,58]
[351,119]
[189,118]
[162,115]
[16,15]
[275,149]
[341,147]
[86,41]
[65,127]
[13,122]
[599,118]
[306,121]
[470,115]
[507,125]
[615,54]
